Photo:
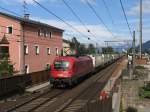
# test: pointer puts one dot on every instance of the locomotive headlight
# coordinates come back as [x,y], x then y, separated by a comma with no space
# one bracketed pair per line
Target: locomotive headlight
[60,75]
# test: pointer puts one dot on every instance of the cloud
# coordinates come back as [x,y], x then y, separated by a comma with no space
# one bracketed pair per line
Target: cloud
[135,9]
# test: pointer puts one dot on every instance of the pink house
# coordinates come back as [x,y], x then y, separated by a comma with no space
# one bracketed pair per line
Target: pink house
[31,45]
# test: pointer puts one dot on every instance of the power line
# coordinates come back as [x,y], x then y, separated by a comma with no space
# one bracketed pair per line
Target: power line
[21,30]
[79,19]
[126,18]
[99,18]
[13,14]
[10,11]
[74,13]
[50,12]
[108,12]
[24,6]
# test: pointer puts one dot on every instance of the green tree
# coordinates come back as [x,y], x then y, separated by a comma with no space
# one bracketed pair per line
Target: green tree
[107,50]
[75,45]
[82,49]
[5,67]
[91,49]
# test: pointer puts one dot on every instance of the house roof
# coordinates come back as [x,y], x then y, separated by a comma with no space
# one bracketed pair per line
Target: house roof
[21,19]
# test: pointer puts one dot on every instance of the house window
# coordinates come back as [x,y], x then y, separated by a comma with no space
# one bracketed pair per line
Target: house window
[50,34]
[39,32]
[26,50]
[37,50]
[47,66]
[48,51]
[57,52]
[4,51]
[45,33]
[9,30]
[26,69]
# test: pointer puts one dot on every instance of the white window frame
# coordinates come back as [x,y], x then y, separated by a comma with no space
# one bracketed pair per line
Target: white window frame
[46,33]
[7,31]
[39,32]
[48,64]
[56,51]
[50,34]
[27,68]
[26,52]
[37,52]
[48,51]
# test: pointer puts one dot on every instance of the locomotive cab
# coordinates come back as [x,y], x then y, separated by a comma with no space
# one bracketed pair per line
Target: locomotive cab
[68,70]
[61,70]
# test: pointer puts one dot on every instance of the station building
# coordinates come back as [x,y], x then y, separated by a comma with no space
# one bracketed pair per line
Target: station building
[31,45]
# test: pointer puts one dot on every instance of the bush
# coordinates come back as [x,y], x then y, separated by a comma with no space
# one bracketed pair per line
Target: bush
[147,87]
[5,68]
[131,109]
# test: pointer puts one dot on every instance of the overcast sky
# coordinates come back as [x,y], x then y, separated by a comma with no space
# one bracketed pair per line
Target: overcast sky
[118,28]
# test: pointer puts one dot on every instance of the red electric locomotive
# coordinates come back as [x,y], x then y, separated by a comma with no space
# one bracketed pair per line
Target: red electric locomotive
[68,69]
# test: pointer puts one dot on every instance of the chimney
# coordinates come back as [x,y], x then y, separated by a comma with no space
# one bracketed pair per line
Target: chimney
[26,16]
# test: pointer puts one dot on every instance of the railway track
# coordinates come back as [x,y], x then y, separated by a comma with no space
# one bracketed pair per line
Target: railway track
[78,96]
[35,102]
[84,97]
[57,100]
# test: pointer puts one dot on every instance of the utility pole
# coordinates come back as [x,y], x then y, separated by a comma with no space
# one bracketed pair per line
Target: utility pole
[22,52]
[140,29]
[24,7]
[133,49]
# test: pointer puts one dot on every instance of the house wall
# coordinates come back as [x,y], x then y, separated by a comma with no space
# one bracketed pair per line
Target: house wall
[14,39]
[38,62]
[35,62]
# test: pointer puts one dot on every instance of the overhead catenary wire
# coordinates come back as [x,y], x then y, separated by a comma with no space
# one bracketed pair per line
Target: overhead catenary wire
[14,13]
[56,15]
[10,11]
[99,18]
[108,12]
[122,7]
[68,24]
[79,19]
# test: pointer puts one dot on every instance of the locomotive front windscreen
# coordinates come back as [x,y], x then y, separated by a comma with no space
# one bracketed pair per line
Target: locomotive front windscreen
[61,65]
